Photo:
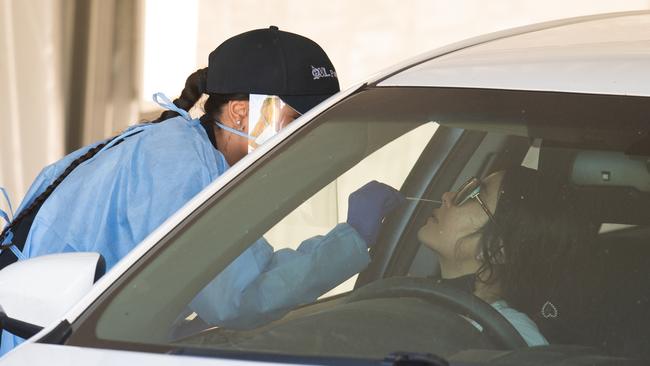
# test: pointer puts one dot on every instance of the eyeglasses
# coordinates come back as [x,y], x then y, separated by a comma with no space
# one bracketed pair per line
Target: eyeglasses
[469,190]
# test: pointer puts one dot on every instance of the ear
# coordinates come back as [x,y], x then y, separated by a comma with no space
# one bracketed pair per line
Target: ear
[238,110]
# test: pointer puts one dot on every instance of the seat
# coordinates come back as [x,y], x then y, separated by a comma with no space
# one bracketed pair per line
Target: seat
[622,316]
[612,188]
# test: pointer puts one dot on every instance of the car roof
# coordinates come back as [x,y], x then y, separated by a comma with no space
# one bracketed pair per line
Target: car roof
[602,54]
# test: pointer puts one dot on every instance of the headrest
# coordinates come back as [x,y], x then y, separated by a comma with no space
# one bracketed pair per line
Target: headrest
[610,169]
[612,187]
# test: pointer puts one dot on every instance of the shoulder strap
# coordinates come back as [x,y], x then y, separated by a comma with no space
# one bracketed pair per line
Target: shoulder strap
[3,214]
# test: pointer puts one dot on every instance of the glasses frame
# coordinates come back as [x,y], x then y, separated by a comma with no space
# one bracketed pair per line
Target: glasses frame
[471,190]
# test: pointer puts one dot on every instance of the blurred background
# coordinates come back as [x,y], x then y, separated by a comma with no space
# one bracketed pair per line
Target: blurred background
[76,71]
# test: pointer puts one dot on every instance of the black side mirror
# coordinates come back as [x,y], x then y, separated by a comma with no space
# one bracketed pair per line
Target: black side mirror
[17,327]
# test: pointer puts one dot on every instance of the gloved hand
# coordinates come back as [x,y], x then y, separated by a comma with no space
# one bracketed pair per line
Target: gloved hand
[367,207]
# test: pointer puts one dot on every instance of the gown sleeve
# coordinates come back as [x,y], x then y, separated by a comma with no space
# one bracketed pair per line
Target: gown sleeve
[261,285]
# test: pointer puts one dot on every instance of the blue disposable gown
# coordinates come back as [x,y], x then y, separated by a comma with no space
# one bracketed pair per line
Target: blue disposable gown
[263,285]
[113,201]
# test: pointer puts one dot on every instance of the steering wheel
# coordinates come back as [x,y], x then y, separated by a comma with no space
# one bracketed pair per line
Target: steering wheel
[495,326]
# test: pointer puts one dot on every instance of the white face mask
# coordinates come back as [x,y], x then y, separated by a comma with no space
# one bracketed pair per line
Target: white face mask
[267,115]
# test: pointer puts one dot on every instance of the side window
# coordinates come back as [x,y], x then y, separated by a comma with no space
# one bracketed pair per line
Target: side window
[320,213]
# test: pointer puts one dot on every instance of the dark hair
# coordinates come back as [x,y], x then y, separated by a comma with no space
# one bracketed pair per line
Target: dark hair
[539,246]
[38,201]
[195,88]
[192,92]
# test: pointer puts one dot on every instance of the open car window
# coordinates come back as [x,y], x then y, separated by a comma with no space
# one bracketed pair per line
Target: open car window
[318,156]
[390,164]
[426,143]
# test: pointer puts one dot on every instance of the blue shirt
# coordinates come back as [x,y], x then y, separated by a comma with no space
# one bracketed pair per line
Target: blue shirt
[522,323]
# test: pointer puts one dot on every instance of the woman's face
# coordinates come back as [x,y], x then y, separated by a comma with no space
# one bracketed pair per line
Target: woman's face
[449,229]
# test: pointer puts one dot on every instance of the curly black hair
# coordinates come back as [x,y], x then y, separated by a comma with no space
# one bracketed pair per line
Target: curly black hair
[538,248]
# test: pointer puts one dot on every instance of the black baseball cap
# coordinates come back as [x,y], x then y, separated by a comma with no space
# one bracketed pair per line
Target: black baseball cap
[273,62]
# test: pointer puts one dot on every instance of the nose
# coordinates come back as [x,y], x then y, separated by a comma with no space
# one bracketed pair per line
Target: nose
[447,199]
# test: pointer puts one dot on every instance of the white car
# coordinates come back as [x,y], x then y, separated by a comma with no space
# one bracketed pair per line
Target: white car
[570,97]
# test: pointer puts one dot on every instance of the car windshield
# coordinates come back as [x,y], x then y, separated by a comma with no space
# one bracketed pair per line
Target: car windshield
[270,264]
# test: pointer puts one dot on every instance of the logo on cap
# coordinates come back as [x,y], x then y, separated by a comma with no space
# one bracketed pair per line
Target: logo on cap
[321,72]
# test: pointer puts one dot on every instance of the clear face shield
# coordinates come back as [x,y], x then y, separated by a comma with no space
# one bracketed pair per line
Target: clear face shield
[267,115]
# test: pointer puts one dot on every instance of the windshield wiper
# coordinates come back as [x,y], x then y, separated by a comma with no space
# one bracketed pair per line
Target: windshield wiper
[271,357]
[393,359]
[414,359]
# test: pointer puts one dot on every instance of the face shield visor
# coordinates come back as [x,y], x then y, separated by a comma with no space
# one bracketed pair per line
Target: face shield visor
[267,115]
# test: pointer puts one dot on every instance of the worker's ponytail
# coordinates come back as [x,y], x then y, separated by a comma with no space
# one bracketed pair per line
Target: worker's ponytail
[192,92]
[195,87]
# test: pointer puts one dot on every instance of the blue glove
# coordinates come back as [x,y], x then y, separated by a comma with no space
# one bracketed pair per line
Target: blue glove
[367,207]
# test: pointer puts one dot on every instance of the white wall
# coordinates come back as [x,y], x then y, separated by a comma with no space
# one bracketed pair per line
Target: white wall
[363,37]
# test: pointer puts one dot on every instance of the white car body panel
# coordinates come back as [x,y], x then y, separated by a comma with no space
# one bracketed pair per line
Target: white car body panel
[47,354]
[602,56]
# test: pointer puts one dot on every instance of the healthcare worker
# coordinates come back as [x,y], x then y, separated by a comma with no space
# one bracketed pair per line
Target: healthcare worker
[107,197]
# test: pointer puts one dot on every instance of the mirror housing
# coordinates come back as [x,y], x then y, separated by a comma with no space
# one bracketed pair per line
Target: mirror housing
[40,290]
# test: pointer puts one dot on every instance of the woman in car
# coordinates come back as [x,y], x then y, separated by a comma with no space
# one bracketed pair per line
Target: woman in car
[511,239]
[514,240]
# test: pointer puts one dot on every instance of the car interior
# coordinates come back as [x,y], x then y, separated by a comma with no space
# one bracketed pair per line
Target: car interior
[396,303]
[615,190]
